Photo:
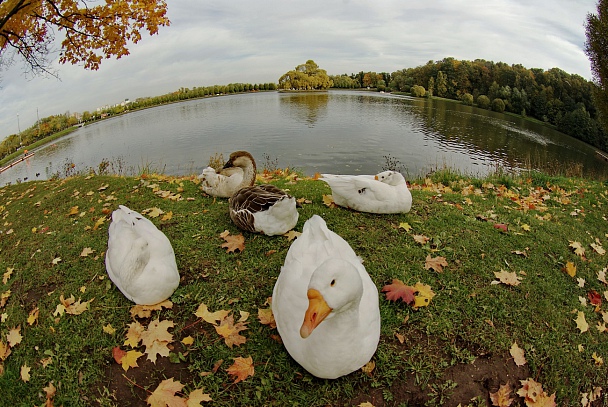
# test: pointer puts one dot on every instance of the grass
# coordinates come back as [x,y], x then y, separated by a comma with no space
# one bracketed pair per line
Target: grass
[30,147]
[469,321]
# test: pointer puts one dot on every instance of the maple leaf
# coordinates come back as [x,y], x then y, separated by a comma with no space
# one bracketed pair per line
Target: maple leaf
[33,316]
[233,243]
[196,397]
[570,268]
[328,201]
[502,227]
[130,359]
[599,361]
[534,395]
[601,275]
[581,323]
[518,354]
[167,216]
[145,311]
[71,306]
[291,235]
[211,317]
[230,331]
[598,249]
[188,340]
[368,368]
[398,290]
[25,373]
[594,298]
[153,212]
[502,397]
[435,263]
[507,278]
[242,368]
[578,248]
[109,329]
[4,298]
[14,337]
[405,226]
[6,276]
[5,350]
[73,211]
[266,317]
[425,295]
[156,338]
[134,334]
[421,239]
[164,395]
[86,251]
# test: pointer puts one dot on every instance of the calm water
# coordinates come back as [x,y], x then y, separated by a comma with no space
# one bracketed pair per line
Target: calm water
[337,132]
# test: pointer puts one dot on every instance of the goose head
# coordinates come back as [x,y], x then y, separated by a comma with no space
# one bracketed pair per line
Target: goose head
[390,177]
[241,159]
[335,287]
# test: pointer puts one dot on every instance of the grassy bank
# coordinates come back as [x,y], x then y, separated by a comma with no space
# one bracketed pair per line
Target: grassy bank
[455,350]
[46,140]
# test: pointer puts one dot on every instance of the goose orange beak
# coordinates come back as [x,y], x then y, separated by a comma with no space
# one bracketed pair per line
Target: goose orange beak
[317,311]
[376,177]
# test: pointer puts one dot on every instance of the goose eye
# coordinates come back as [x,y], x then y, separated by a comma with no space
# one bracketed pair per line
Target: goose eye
[333,282]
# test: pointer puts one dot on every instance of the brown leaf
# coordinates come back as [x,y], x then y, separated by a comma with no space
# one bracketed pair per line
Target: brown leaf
[534,395]
[241,368]
[507,278]
[145,311]
[164,395]
[233,243]
[435,263]
[502,398]
[230,331]
[328,201]
[421,239]
[196,397]
[266,317]
[578,248]
[518,354]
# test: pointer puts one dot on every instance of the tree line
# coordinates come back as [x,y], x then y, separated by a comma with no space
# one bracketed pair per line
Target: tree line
[563,100]
[48,126]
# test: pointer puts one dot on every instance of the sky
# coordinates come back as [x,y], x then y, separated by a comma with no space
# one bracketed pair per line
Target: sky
[221,42]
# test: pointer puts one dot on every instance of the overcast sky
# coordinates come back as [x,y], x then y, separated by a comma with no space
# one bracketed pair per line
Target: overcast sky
[219,42]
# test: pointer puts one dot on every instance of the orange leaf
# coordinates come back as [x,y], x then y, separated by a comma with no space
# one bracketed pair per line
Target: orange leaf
[145,311]
[156,338]
[241,368]
[435,263]
[534,395]
[502,398]
[266,317]
[230,331]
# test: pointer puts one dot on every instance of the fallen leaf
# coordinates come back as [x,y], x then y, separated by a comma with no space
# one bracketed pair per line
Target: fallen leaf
[233,243]
[369,367]
[502,227]
[156,338]
[134,334]
[33,316]
[502,397]
[196,397]
[211,317]
[56,261]
[230,331]
[241,368]
[534,395]
[424,296]
[399,291]
[153,212]
[598,249]
[581,323]
[164,394]
[507,278]
[328,201]
[599,361]
[435,263]
[4,298]
[291,235]
[73,211]
[405,226]
[266,317]
[518,354]
[6,276]
[420,239]
[14,337]
[109,329]
[71,306]
[188,340]
[25,373]
[86,251]
[167,216]
[570,269]
[145,311]
[578,248]
[601,275]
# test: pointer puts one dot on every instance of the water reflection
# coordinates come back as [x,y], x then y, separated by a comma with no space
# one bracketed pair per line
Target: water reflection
[336,132]
[306,107]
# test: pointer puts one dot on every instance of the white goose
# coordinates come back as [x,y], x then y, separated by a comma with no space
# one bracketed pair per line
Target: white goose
[264,209]
[324,284]
[238,172]
[386,192]
[140,259]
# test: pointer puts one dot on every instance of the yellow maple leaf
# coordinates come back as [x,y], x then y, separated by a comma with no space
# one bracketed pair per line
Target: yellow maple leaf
[188,340]
[420,239]
[581,323]
[153,212]
[6,276]
[598,249]
[242,368]
[14,337]
[211,317]
[423,296]
[502,397]
[328,201]
[167,216]
[156,338]
[73,211]
[109,329]
[507,278]
[25,373]
[33,316]
[405,226]
[145,311]
[292,234]
[164,395]
[130,359]
[435,263]
[599,361]
[134,334]
[99,222]
[266,317]
[86,251]
[230,331]
[5,350]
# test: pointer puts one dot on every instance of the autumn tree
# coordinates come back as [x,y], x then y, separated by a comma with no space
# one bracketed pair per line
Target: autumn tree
[90,32]
[596,48]
[306,76]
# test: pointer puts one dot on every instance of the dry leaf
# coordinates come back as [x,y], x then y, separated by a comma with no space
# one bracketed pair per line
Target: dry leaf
[6,276]
[570,268]
[581,323]
[369,367]
[405,226]
[14,337]
[145,311]
[230,331]
[33,316]
[507,278]
[598,249]
[86,251]
[534,395]
[134,334]
[578,248]
[421,239]
[188,340]
[156,338]
[435,263]
[109,329]
[291,235]
[25,373]
[328,201]
[196,397]
[211,317]
[266,317]
[164,395]
[153,212]
[502,398]
[518,354]
[399,291]
[241,368]
[234,243]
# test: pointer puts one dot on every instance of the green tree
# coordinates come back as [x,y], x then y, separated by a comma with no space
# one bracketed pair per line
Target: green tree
[418,91]
[596,48]
[467,99]
[483,101]
[442,84]
[498,105]
[431,86]
[306,76]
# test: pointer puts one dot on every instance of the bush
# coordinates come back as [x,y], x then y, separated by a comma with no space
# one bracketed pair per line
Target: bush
[467,99]
[483,101]
[498,105]
[418,91]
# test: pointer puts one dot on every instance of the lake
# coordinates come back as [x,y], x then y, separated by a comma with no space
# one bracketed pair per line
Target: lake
[342,132]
